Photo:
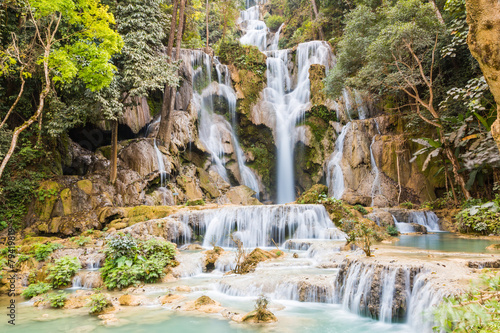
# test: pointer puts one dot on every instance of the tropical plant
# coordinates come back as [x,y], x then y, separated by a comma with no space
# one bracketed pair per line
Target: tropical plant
[98,303]
[57,300]
[43,251]
[484,219]
[36,289]
[477,310]
[61,272]
[392,231]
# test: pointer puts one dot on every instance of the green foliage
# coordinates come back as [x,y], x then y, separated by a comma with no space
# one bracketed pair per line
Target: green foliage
[61,272]
[57,300]
[43,251]
[359,233]
[407,205]
[81,241]
[46,194]
[243,57]
[392,231]
[98,303]
[477,310]
[273,22]
[130,261]
[261,307]
[484,219]
[36,289]
[361,209]
[197,202]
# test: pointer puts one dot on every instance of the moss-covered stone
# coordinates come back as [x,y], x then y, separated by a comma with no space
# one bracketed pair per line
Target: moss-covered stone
[47,195]
[206,185]
[312,195]
[66,201]
[197,202]
[316,76]
[85,185]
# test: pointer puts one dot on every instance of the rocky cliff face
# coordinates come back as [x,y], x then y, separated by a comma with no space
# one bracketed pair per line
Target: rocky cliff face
[483,17]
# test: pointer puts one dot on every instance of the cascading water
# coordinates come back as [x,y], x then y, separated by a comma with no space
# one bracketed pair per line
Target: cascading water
[161,165]
[260,226]
[426,218]
[334,173]
[288,105]
[276,39]
[215,132]
[376,188]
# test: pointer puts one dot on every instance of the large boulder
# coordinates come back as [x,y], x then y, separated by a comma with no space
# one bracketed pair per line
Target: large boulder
[240,195]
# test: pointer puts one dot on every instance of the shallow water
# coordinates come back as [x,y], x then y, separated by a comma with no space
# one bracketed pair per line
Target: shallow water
[444,241]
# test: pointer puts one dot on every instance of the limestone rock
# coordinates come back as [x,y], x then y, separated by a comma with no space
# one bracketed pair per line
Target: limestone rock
[381,217]
[136,114]
[262,316]
[241,195]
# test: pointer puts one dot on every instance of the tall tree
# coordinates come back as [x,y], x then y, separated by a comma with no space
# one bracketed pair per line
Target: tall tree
[142,66]
[75,41]
[165,128]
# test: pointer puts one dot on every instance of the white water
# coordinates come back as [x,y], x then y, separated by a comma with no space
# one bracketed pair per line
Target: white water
[288,105]
[259,226]
[161,165]
[215,132]
[376,188]
[334,173]
[276,39]
[428,219]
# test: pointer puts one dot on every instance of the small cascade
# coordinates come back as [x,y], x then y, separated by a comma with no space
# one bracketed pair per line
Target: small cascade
[76,283]
[161,165]
[259,226]
[334,173]
[388,293]
[93,265]
[376,188]
[85,279]
[255,29]
[276,39]
[426,218]
[403,227]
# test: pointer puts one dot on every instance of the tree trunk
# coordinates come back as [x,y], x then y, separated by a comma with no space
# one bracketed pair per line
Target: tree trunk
[17,99]
[165,129]
[114,152]
[316,14]
[33,118]
[438,12]
[456,167]
[483,17]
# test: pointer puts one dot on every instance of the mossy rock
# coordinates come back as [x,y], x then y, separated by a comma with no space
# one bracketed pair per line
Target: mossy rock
[204,300]
[85,185]
[312,195]
[66,201]
[257,255]
[260,316]
[196,202]
[47,195]
[206,185]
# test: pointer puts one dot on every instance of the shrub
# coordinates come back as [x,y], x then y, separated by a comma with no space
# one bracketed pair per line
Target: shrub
[361,209]
[273,22]
[359,233]
[129,261]
[36,289]
[392,230]
[197,202]
[43,251]
[61,272]
[58,300]
[484,219]
[98,303]
[407,205]
[81,241]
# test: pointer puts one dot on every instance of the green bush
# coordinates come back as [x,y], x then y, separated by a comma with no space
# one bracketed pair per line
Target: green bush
[81,241]
[98,303]
[484,219]
[361,209]
[407,205]
[61,272]
[43,251]
[130,261]
[197,202]
[273,22]
[392,230]
[36,289]
[58,300]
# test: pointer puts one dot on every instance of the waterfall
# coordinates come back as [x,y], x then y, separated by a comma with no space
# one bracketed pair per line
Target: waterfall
[216,133]
[161,165]
[335,175]
[389,293]
[274,44]
[255,29]
[426,218]
[403,227]
[76,283]
[376,189]
[259,226]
